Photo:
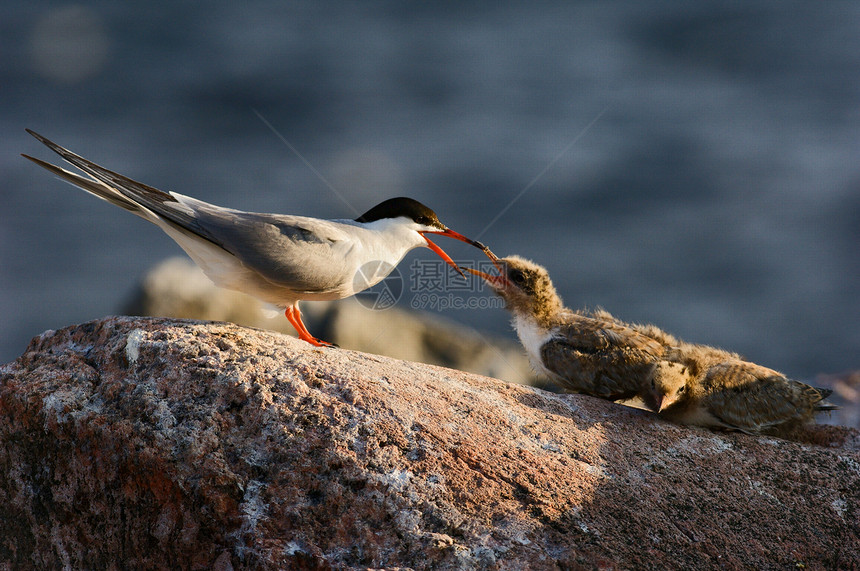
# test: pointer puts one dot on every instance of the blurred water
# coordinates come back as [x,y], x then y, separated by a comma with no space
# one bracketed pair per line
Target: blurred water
[688,164]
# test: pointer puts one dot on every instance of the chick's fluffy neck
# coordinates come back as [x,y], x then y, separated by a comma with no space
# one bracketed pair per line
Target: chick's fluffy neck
[544,307]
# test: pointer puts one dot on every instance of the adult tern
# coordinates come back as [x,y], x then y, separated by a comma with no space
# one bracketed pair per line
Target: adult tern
[278,258]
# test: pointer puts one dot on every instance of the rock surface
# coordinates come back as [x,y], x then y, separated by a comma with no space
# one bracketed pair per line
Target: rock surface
[165,444]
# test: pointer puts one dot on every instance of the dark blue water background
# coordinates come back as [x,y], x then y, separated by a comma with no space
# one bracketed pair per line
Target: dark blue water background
[695,165]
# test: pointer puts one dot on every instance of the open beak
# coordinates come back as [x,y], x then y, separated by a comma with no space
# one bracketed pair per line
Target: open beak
[451,234]
[457,236]
[441,253]
[480,274]
[496,282]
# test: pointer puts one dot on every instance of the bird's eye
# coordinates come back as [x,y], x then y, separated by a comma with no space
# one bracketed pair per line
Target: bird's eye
[517,277]
[423,220]
[682,389]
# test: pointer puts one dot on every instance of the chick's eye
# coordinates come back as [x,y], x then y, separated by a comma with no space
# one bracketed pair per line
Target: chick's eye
[682,390]
[517,277]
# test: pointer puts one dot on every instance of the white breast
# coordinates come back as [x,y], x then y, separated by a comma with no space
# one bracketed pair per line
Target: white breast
[533,337]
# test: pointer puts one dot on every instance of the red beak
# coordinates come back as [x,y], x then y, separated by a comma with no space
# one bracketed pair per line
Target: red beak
[499,281]
[451,234]
[457,236]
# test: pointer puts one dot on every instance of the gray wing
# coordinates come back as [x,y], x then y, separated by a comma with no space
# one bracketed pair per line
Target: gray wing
[601,357]
[303,254]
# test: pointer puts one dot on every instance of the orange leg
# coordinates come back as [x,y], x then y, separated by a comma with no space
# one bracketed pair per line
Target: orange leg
[295,317]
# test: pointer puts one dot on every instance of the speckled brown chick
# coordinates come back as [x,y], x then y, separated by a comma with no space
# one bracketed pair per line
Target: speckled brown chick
[732,395]
[594,353]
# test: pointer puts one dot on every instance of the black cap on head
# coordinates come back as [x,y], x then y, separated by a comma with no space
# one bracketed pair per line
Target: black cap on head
[402,206]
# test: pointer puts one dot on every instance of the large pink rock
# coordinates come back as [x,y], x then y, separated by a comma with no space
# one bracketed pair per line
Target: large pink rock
[161,443]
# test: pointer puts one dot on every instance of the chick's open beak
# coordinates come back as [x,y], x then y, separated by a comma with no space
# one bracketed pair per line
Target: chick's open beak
[496,282]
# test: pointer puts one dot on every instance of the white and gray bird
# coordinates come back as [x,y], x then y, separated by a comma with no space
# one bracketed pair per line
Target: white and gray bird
[280,259]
